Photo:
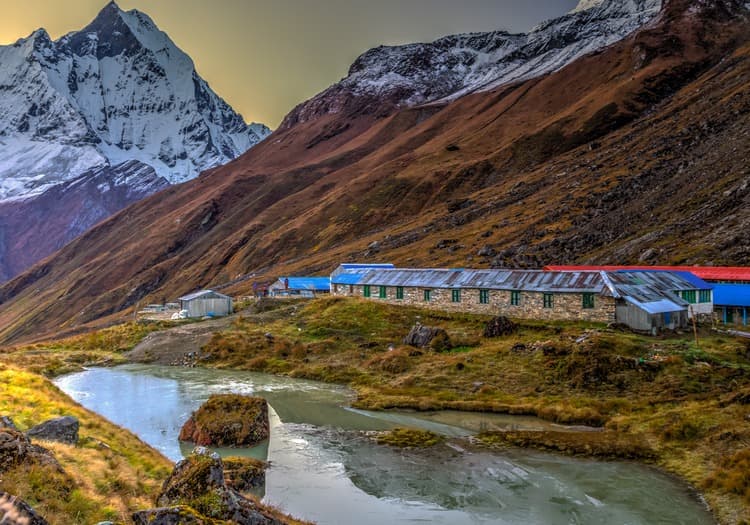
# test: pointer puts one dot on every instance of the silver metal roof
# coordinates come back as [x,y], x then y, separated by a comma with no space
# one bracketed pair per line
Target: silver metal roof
[202,293]
[528,280]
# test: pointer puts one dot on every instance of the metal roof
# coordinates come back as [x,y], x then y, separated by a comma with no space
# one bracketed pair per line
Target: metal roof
[201,293]
[732,295]
[529,280]
[711,273]
[306,283]
[656,307]
[662,280]
[350,266]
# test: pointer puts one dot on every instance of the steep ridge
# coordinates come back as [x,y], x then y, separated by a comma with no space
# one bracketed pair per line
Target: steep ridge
[115,91]
[34,227]
[456,65]
[637,147]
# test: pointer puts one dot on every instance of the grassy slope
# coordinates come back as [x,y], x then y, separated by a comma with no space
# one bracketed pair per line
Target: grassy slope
[113,472]
[664,399]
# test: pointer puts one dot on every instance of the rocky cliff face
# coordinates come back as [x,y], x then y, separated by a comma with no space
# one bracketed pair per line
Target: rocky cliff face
[118,90]
[457,65]
[34,227]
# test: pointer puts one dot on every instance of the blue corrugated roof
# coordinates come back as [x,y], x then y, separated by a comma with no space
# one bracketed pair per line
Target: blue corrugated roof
[347,278]
[308,283]
[732,294]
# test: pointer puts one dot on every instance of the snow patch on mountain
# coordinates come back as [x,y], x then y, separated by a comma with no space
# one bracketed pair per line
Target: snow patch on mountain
[457,65]
[117,90]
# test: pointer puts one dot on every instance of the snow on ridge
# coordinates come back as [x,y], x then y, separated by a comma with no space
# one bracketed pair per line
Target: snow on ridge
[456,65]
[117,90]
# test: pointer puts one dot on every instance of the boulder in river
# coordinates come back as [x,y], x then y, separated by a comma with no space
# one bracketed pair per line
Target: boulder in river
[196,493]
[228,420]
[62,429]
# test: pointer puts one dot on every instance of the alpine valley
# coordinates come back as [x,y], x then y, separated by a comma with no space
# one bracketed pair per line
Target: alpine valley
[616,134]
[117,91]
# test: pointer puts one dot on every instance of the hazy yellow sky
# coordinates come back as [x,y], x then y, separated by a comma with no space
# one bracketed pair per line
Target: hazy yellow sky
[264,57]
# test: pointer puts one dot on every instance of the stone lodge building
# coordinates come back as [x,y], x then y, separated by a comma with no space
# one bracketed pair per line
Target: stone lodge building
[644,300]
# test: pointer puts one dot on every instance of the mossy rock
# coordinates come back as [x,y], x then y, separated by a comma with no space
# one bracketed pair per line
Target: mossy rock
[409,437]
[228,420]
[244,474]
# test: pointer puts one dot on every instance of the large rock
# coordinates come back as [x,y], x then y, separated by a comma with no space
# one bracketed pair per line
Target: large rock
[7,422]
[15,511]
[499,326]
[228,420]
[15,449]
[196,493]
[63,429]
[428,336]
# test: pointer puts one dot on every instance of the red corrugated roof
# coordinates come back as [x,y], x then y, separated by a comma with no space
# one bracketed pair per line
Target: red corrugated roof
[710,273]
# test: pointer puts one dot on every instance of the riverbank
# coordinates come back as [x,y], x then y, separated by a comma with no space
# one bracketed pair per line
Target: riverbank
[686,404]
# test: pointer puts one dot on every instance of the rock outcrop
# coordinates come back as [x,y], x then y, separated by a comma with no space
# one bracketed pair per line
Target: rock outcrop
[62,429]
[428,337]
[15,511]
[197,493]
[228,420]
[16,449]
[499,326]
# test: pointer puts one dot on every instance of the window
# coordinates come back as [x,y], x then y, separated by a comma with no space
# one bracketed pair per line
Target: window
[366,290]
[515,298]
[704,296]
[689,296]
[548,300]
[484,296]
[399,292]
[456,296]
[588,300]
[427,295]
[383,292]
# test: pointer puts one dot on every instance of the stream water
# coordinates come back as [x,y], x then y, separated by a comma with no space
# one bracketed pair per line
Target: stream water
[325,469]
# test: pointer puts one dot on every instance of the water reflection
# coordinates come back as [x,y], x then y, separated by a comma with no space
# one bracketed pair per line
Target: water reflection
[325,469]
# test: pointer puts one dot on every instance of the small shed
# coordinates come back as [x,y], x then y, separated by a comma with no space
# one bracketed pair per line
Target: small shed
[300,286]
[732,302]
[206,303]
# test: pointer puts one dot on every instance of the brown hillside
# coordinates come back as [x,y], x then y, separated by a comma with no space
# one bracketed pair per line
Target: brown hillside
[635,152]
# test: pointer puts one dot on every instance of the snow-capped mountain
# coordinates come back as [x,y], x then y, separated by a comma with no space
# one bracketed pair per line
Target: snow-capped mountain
[456,65]
[115,91]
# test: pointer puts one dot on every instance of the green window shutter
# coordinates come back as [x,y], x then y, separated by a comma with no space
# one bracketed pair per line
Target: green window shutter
[366,290]
[399,292]
[689,296]
[515,298]
[383,292]
[588,300]
[427,295]
[705,296]
[456,296]
[548,300]
[484,296]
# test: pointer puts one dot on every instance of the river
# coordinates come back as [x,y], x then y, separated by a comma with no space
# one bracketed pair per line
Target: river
[324,468]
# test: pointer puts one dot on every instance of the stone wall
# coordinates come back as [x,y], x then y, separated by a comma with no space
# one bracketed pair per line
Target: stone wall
[565,307]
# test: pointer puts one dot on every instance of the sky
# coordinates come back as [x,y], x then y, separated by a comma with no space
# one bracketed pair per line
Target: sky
[265,57]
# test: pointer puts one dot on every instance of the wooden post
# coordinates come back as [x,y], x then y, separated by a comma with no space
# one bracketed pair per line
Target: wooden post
[695,326]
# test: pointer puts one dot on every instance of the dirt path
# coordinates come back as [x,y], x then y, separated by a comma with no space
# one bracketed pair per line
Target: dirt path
[177,345]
